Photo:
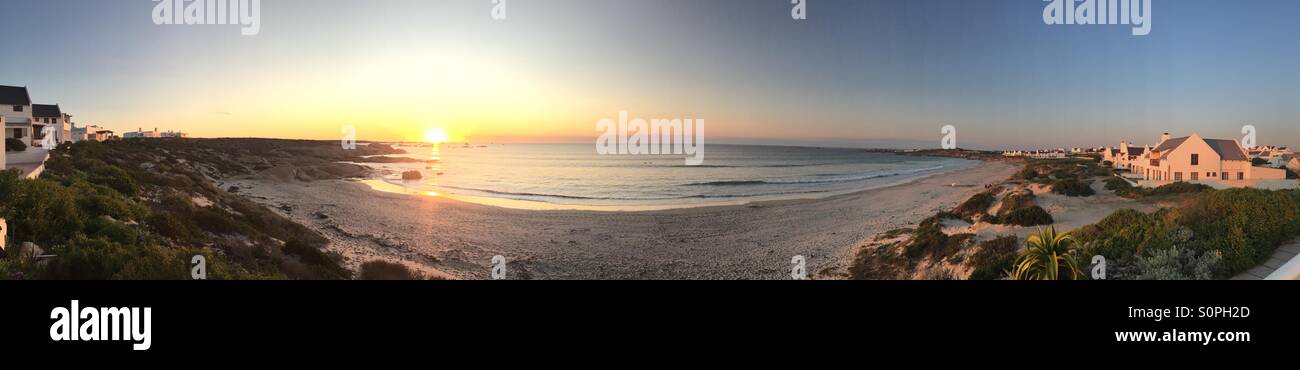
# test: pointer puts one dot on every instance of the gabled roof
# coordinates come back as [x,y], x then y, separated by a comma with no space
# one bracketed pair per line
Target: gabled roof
[46,110]
[13,95]
[1227,149]
[1133,150]
[1171,144]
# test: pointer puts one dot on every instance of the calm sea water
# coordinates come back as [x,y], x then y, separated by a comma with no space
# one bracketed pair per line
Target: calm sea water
[573,174]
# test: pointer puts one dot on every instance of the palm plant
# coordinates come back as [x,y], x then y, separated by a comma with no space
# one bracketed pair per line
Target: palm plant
[1049,256]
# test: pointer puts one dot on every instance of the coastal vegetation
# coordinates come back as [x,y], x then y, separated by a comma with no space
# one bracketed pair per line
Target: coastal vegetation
[14,145]
[141,210]
[1196,232]
[1048,256]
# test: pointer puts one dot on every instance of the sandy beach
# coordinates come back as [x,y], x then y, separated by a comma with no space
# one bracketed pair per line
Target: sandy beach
[455,239]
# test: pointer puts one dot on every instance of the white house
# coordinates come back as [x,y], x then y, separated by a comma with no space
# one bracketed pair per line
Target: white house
[1196,159]
[44,116]
[155,134]
[16,106]
[1123,156]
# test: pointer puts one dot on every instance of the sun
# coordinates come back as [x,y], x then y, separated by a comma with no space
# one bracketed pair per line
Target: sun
[435,135]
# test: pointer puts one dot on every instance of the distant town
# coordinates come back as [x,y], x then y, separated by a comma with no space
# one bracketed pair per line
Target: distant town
[1221,163]
[31,130]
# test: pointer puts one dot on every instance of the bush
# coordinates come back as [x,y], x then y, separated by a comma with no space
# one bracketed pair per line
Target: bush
[976,205]
[930,240]
[1073,188]
[1016,200]
[323,265]
[384,270]
[1245,225]
[1117,184]
[994,258]
[14,145]
[1032,216]
[1179,264]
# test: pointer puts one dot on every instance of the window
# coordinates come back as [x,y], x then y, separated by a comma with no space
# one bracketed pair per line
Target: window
[1196,159]
[18,133]
[1178,176]
[18,108]
[1225,176]
[1210,175]
[1196,176]
[1241,175]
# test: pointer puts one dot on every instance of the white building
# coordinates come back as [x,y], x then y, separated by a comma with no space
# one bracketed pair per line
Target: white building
[155,134]
[51,116]
[1196,159]
[16,106]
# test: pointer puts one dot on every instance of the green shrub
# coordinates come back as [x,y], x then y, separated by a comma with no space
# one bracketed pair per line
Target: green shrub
[976,205]
[384,270]
[1179,264]
[994,258]
[1073,188]
[1245,225]
[1117,184]
[1032,216]
[1015,201]
[14,145]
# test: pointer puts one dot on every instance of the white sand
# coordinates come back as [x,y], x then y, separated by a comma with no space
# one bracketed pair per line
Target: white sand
[755,241]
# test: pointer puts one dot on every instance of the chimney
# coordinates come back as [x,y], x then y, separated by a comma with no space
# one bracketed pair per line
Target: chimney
[1123,147]
[1164,138]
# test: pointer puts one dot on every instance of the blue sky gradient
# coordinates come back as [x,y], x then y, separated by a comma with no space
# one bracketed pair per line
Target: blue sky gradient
[856,72]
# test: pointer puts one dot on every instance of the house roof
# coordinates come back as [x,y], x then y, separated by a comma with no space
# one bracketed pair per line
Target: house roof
[1171,144]
[1227,149]
[13,95]
[1133,150]
[46,110]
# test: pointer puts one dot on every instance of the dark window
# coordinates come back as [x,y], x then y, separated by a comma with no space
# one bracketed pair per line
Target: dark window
[1241,175]
[18,108]
[1196,159]
[1196,176]
[18,133]
[1178,176]
[1225,176]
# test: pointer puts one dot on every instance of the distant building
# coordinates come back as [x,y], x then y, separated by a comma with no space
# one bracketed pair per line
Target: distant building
[44,116]
[1197,159]
[1294,163]
[99,134]
[16,106]
[155,134]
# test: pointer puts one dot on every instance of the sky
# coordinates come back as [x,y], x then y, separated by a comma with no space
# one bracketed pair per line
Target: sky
[855,72]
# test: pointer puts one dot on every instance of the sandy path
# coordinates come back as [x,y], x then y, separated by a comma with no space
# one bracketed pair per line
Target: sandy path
[753,241]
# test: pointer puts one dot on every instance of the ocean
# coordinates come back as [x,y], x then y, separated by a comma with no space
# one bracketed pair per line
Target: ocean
[552,176]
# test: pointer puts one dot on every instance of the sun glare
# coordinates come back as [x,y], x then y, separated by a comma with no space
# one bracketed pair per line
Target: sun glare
[435,135]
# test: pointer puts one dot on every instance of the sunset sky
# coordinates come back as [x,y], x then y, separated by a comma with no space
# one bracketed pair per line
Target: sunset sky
[854,72]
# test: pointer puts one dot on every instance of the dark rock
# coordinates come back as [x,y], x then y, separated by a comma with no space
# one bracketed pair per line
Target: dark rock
[411,175]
